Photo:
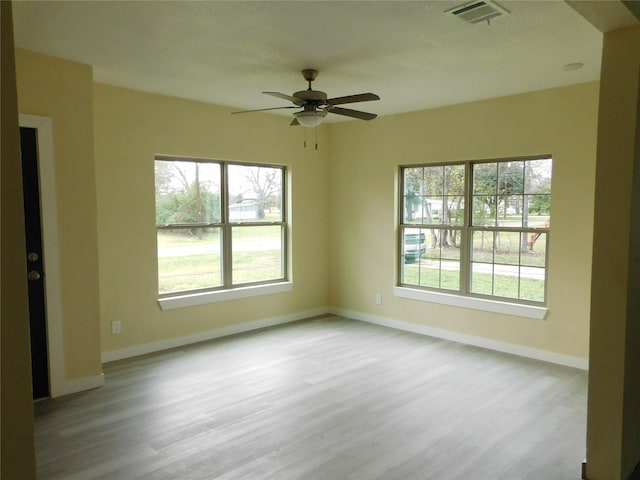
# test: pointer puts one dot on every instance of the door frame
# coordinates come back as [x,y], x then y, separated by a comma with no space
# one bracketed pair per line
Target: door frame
[51,250]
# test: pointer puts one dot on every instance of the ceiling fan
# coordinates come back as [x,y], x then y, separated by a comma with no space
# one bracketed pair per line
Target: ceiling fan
[315,104]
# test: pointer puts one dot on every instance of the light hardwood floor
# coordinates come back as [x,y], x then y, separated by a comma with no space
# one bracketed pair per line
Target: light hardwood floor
[325,398]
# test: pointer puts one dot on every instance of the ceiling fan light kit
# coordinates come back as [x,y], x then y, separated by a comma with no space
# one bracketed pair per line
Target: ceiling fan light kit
[316,105]
[310,118]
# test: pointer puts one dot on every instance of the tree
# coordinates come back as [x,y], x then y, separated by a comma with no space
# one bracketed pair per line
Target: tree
[266,185]
[497,188]
[540,204]
[183,195]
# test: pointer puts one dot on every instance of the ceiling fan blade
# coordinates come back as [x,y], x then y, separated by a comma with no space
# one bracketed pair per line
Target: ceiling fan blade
[294,123]
[262,110]
[362,97]
[352,113]
[297,101]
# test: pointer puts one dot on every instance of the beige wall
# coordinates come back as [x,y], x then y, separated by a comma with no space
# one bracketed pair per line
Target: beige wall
[130,127]
[17,456]
[613,443]
[63,91]
[364,165]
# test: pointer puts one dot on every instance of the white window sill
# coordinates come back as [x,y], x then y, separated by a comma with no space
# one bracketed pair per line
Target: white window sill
[191,299]
[528,311]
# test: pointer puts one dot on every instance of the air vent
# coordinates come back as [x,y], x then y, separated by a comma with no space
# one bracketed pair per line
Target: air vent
[476,12]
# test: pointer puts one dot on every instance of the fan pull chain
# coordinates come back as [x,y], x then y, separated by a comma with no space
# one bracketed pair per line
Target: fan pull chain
[305,137]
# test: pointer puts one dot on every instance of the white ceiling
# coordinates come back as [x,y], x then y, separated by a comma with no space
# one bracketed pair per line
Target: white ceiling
[227,52]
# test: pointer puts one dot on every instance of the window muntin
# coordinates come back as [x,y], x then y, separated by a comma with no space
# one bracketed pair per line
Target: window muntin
[219,225]
[498,249]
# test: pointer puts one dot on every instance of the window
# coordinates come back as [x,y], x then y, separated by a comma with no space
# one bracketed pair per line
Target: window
[219,225]
[495,249]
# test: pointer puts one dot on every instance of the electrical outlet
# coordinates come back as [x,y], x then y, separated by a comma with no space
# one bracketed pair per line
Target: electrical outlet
[116,327]
[378,299]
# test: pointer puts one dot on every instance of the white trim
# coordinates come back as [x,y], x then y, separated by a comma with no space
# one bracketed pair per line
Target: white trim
[207,335]
[546,356]
[516,309]
[81,384]
[51,251]
[189,300]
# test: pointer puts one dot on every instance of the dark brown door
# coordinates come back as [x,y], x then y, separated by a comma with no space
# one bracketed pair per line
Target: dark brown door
[35,265]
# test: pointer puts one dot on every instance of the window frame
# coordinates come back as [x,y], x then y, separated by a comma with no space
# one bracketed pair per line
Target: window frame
[463,296]
[228,289]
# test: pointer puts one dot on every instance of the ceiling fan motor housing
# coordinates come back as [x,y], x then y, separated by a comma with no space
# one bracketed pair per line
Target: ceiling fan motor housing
[311,96]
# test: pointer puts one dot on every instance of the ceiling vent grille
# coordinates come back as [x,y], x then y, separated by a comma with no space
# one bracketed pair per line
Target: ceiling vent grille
[476,12]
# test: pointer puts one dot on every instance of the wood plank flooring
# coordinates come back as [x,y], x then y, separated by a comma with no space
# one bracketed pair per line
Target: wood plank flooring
[327,398]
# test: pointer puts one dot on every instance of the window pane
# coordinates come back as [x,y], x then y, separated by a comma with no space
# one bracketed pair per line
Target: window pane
[538,208]
[507,248]
[412,180]
[450,267]
[510,178]
[485,176]
[537,177]
[414,209]
[189,259]
[510,211]
[432,211]
[434,180]
[506,280]
[484,211]
[414,244]
[414,250]
[429,269]
[482,278]
[187,192]
[257,253]
[453,210]
[532,284]
[255,194]
[454,180]
[536,250]
[482,250]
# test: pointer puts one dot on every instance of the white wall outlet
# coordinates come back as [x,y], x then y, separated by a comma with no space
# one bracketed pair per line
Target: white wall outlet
[378,299]
[116,327]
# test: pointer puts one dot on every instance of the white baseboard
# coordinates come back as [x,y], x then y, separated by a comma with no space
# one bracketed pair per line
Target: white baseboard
[551,357]
[207,335]
[68,387]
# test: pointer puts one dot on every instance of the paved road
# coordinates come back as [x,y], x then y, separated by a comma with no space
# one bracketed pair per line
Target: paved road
[536,273]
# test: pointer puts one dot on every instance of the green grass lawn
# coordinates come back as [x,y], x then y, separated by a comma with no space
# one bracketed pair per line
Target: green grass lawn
[187,237]
[481,283]
[190,260]
[192,272]
[188,272]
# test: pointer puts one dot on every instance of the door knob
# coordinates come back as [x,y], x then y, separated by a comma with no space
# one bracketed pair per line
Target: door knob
[33,275]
